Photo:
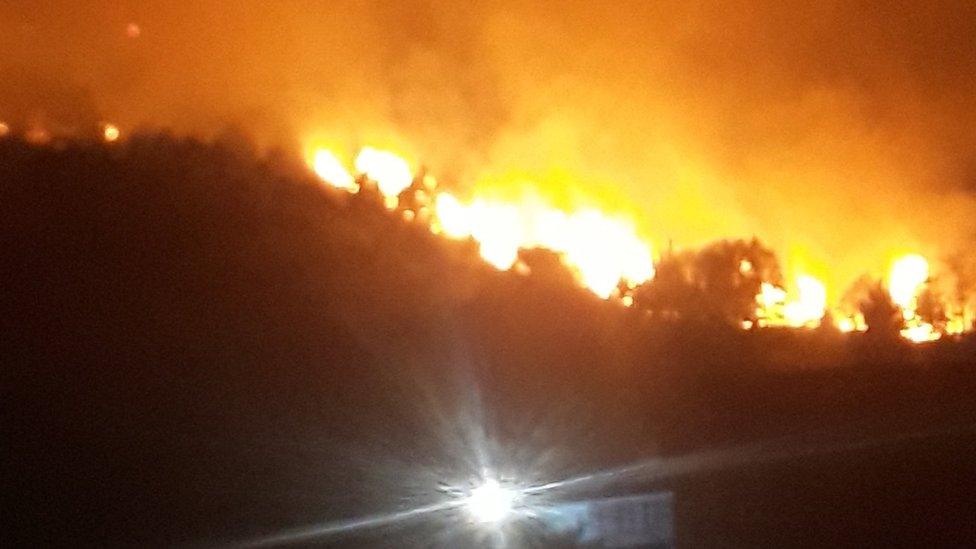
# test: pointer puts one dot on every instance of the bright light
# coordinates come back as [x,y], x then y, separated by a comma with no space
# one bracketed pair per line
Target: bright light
[920,332]
[808,308]
[802,307]
[600,249]
[111,133]
[908,275]
[490,502]
[327,166]
[391,173]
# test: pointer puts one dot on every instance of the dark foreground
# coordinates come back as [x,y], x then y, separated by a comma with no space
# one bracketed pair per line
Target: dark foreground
[203,349]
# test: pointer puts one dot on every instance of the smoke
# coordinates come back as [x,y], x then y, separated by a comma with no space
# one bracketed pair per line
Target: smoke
[839,133]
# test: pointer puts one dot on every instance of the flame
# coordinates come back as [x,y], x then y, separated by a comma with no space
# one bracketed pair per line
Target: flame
[601,250]
[327,166]
[906,280]
[391,173]
[920,332]
[769,298]
[804,307]
[4,129]
[605,251]
[956,325]
[854,323]
[808,309]
[907,277]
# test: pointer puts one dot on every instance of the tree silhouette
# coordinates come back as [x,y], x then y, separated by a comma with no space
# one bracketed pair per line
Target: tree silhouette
[881,315]
[930,308]
[717,283]
[545,266]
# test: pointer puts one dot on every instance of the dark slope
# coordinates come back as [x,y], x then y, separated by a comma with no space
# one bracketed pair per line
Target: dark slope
[202,347]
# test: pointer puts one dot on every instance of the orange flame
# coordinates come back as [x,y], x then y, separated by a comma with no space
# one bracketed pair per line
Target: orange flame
[601,250]
[330,169]
[906,280]
[604,251]
[802,308]
[391,173]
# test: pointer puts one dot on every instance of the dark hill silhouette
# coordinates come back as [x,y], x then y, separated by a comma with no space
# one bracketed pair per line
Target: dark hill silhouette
[203,346]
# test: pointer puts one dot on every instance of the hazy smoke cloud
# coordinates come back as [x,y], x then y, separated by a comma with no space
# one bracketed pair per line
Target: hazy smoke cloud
[838,132]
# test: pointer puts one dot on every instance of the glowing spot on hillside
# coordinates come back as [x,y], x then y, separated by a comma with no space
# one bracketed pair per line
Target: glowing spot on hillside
[328,167]
[908,275]
[391,173]
[601,250]
[110,133]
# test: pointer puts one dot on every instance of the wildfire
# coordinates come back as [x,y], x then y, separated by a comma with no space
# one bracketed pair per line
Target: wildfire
[803,309]
[603,251]
[907,279]
[908,275]
[330,169]
[849,324]
[391,173]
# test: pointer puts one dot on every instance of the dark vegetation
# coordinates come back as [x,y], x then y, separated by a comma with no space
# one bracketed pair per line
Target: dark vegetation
[710,284]
[199,346]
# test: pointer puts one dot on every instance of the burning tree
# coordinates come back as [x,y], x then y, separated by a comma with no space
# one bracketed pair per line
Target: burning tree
[717,283]
[882,316]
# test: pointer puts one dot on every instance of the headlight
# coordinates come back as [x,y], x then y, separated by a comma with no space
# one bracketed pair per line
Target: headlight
[490,503]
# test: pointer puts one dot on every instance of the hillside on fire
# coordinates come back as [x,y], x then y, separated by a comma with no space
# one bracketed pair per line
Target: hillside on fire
[204,344]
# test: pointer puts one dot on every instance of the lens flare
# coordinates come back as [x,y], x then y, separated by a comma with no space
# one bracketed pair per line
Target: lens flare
[490,503]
